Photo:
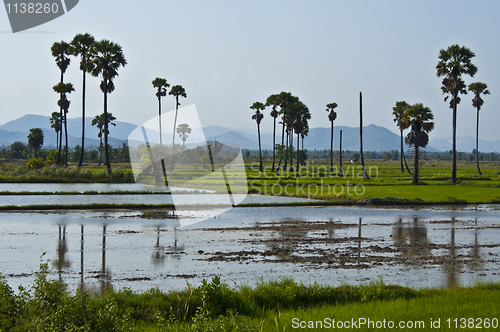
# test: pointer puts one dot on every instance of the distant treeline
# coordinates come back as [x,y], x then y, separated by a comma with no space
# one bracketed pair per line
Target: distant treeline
[348,155]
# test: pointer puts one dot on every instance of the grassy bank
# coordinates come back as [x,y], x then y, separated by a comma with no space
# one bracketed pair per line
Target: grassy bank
[213,306]
[314,181]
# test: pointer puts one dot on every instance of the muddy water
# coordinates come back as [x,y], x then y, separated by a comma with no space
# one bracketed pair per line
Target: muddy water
[98,250]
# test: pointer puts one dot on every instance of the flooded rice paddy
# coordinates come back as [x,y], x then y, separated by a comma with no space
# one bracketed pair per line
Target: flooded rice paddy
[429,247]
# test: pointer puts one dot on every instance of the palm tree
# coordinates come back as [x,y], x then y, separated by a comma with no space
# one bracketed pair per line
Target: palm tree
[258,116]
[478,88]
[331,116]
[35,139]
[60,51]
[98,121]
[285,101]
[402,122]
[300,124]
[105,59]
[419,119]
[176,91]
[161,86]
[274,101]
[55,123]
[81,45]
[63,103]
[183,130]
[454,62]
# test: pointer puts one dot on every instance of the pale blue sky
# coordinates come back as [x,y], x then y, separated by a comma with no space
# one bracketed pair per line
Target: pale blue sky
[229,54]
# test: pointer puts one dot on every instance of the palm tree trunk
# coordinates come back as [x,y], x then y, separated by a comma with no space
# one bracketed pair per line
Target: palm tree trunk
[331,147]
[66,139]
[302,155]
[159,119]
[106,153]
[298,154]
[406,165]
[341,169]
[175,122]
[282,140]
[454,147]
[80,162]
[274,142]
[286,150]
[361,135]
[415,165]
[477,143]
[260,150]
[401,157]
[100,150]
[61,119]
[291,150]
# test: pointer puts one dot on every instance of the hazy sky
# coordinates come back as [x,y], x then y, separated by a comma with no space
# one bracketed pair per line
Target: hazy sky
[229,54]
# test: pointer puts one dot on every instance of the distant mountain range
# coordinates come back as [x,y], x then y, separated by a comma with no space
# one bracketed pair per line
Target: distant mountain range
[375,138]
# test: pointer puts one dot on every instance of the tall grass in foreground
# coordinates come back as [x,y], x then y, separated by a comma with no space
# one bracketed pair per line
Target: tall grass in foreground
[60,174]
[213,306]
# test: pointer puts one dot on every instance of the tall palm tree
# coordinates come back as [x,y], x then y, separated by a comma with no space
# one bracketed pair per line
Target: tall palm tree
[331,116]
[454,62]
[55,123]
[274,101]
[62,89]
[161,86]
[478,88]
[60,51]
[258,116]
[285,101]
[420,120]
[402,122]
[98,121]
[105,59]
[300,124]
[81,45]
[176,91]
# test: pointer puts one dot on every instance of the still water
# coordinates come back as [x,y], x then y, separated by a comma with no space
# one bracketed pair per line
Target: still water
[329,245]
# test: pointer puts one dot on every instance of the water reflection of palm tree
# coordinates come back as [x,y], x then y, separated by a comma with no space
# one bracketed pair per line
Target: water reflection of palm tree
[475,255]
[359,242]
[82,286]
[105,276]
[61,261]
[158,257]
[176,250]
[451,266]
[414,235]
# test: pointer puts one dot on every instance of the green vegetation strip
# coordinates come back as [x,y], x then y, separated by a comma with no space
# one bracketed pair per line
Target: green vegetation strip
[213,306]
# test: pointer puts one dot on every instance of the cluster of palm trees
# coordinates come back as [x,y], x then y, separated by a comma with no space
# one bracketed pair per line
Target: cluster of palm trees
[295,118]
[161,85]
[100,59]
[454,62]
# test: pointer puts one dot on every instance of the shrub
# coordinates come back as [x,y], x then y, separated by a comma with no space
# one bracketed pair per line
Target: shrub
[35,163]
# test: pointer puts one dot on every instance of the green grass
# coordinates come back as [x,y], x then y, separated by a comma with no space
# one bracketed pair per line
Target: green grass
[313,181]
[213,306]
